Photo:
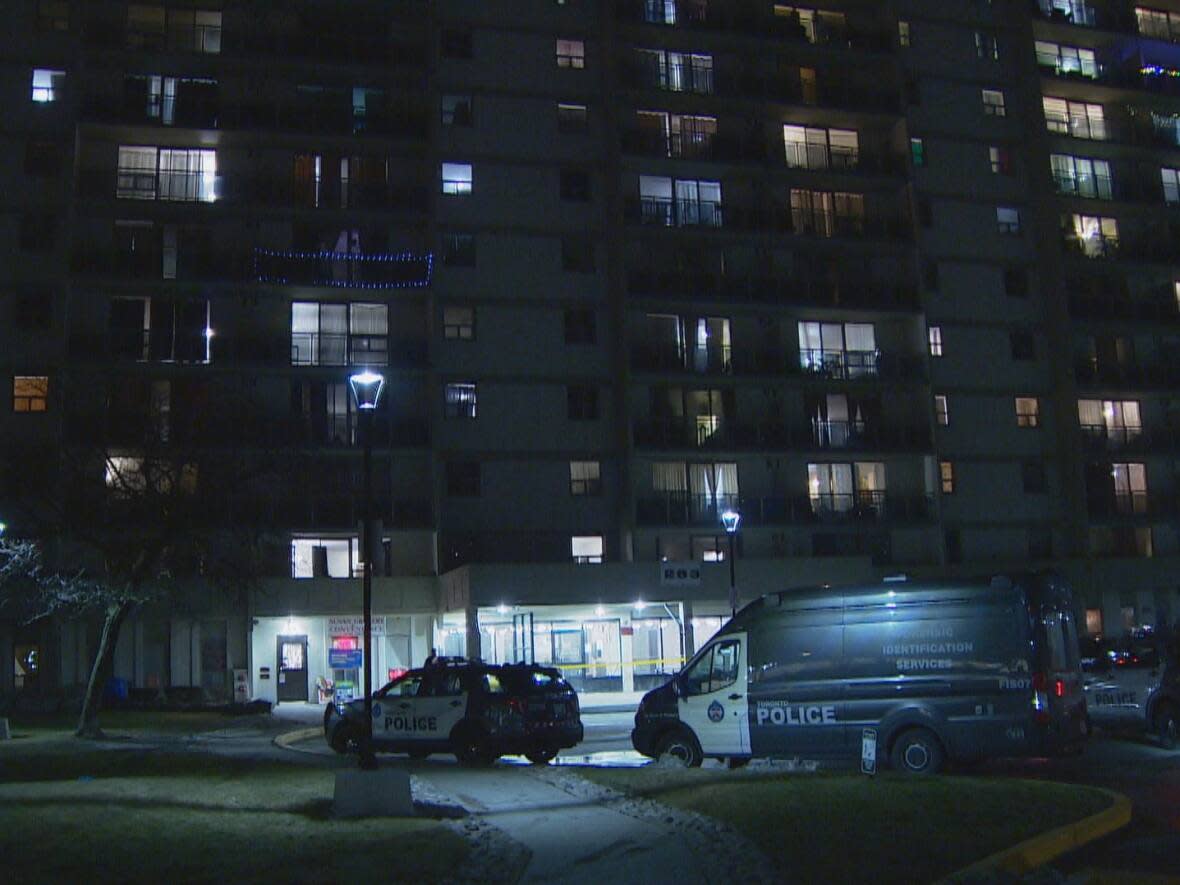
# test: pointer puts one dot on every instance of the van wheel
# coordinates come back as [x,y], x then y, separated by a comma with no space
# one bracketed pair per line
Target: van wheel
[680,746]
[916,751]
[1167,727]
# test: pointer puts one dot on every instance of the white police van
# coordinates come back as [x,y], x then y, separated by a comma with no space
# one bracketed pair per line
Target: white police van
[940,669]
[1135,685]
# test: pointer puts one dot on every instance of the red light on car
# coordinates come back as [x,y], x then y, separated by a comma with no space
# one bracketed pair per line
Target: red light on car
[1059,688]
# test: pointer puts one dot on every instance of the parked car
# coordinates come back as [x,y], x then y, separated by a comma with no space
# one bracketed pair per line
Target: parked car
[1134,684]
[475,710]
[936,670]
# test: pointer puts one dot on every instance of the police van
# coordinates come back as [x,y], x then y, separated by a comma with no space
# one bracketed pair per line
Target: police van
[474,710]
[1135,685]
[938,670]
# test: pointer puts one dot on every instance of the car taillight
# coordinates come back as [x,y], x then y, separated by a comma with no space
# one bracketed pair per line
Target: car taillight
[1059,687]
[1040,698]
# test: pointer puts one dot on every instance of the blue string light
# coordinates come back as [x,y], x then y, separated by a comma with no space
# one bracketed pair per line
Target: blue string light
[328,255]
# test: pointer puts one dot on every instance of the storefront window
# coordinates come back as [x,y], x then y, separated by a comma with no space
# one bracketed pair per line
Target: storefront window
[656,651]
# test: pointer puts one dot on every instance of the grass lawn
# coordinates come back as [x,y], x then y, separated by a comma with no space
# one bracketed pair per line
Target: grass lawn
[120,722]
[72,814]
[851,828]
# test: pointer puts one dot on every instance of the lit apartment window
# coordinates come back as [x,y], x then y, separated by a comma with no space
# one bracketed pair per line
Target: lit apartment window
[1130,487]
[678,71]
[942,413]
[946,476]
[1168,177]
[1076,118]
[1000,160]
[839,350]
[585,478]
[459,400]
[456,178]
[1176,292]
[1092,235]
[149,173]
[934,335]
[459,323]
[571,54]
[1158,23]
[586,548]
[1113,422]
[46,85]
[659,12]
[1081,176]
[1008,220]
[325,557]
[903,33]
[827,214]
[194,30]
[917,152]
[993,102]
[30,393]
[679,202]
[810,148]
[676,135]
[843,488]
[571,117]
[324,334]
[816,25]
[1028,411]
[1067,59]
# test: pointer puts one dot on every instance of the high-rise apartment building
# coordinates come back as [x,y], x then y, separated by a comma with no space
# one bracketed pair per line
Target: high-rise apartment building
[899,282]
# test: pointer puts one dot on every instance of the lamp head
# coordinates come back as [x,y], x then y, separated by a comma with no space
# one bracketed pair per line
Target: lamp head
[366,389]
[730,519]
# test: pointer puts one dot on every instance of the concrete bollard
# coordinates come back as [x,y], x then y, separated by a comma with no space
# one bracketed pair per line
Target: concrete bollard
[5,734]
[381,793]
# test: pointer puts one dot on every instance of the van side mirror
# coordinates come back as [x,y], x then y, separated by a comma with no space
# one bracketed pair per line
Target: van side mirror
[678,685]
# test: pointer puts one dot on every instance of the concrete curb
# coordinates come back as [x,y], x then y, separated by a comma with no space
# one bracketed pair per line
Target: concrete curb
[1039,850]
[287,738]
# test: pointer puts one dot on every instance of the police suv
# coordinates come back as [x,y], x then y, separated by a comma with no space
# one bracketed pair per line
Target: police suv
[1134,685]
[475,710]
[922,672]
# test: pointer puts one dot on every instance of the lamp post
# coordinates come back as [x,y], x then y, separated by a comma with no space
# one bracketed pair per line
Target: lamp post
[366,390]
[730,519]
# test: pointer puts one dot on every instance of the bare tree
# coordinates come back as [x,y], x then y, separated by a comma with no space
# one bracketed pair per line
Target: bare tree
[141,516]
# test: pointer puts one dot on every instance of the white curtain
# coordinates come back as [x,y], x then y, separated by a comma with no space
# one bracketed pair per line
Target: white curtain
[860,337]
[668,476]
[333,334]
[1090,413]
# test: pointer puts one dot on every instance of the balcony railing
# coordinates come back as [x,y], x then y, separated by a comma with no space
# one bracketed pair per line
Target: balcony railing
[840,363]
[679,213]
[1101,437]
[720,433]
[860,293]
[682,508]
[671,357]
[343,269]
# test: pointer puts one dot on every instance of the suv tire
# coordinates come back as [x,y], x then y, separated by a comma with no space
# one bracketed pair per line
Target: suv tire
[681,745]
[916,751]
[471,748]
[345,740]
[1167,726]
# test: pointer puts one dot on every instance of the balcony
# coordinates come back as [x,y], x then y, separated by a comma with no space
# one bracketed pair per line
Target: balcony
[346,270]
[665,212]
[849,293]
[1159,309]
[719,433]
[1101,438]
[1161,373]
[685,509]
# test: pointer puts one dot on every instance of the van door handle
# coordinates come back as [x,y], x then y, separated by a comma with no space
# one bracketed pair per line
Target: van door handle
[735,697]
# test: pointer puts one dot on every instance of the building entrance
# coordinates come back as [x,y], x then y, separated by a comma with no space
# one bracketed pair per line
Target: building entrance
[292,655]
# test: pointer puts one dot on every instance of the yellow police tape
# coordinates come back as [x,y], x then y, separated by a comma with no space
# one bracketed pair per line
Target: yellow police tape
[675,662]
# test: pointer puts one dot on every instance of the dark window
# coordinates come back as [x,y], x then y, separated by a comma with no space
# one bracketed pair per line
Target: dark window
[1040,542]
[1033,477]
[33,312]
[42,159]
[580,327]
[456,110]
[954,545]
[913,92]
[925,212]
[582,403]
[1016,282]
[456,43]
[459,323]
[930,272]
[458,250]
[575,185]
[38,231]
[1023,345]
[577,254]
[463,479]
[571,117]
[53,15]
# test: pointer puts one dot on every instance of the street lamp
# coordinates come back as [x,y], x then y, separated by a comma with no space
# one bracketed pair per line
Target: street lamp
[730,519]
[366,390]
